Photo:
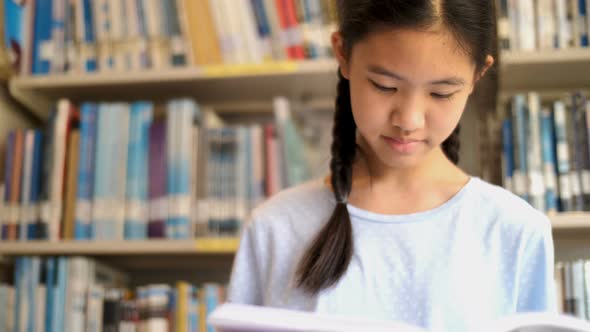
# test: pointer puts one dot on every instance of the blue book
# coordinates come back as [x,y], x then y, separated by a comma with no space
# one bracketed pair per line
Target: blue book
[84,193]
[263,26]
[33,284]
[8,176]
[88,39]
[14,30]
[520,175]
[136,210]
[42,40]
[32,228]
[211,301]
[549,167]
[51,284]
[59,303]
[19,278]
[508,153]
[583,12]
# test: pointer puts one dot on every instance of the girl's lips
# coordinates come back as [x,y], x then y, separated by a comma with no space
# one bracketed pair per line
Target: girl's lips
[405,146]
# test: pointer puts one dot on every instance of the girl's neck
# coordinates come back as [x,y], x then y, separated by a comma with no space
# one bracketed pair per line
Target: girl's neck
[402,191]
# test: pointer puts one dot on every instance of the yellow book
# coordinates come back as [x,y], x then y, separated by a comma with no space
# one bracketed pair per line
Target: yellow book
[182,298]
[71,184]
[202,34]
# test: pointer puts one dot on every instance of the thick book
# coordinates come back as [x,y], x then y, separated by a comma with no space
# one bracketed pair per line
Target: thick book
[245,318]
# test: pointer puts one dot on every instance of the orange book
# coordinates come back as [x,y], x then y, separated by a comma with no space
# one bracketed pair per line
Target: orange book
[15,189]
[202,33]
[71,184]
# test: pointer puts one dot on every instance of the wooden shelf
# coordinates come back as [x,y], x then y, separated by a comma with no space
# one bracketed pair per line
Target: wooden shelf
[570,221]
[208,85]
[566,69]
[213,246]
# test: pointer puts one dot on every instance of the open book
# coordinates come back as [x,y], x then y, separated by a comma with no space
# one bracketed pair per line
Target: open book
[244,318]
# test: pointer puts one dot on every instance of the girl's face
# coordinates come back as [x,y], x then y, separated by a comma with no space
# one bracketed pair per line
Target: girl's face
[408,90]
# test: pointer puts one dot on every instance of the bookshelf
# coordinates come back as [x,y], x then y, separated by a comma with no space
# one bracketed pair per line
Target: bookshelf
[223,86]
[553,70]
[198,246]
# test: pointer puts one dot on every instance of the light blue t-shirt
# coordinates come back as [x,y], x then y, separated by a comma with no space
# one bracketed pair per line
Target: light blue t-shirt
[483,254]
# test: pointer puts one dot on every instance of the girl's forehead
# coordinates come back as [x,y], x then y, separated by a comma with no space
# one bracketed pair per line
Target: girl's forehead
[418,53]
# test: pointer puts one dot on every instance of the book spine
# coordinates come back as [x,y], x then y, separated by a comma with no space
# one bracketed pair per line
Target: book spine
[172,147]
[58,35]
[263,28]
[278,39]
[508,153]
[136,219]
[120,145]
[71,183]
[546,31]
[563,156]
[534,161]
[10,147]
[26,204]
[100,204]
[15,189]
[503,25]
[86,36]
[582,21]
[252,42]
[580,106]
[102,29]
[574,139]
[561,22]
[549,167]
[88,136]
[520,174]
[157,181]
[51,279]
[36,180]
[94,308]
[14,21]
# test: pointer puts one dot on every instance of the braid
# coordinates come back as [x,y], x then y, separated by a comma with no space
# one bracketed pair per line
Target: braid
[328,257]
[452,144]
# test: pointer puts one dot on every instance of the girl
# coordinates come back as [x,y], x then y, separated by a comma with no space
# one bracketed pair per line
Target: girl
[399,232]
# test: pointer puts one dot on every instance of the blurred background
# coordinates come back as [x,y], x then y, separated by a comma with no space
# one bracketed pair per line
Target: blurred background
[137,135]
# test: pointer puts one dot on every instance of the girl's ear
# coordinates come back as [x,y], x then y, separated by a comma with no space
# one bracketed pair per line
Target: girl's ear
[489,63]
[338,49]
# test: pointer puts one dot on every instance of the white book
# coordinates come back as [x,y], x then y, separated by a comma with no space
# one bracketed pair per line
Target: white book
[223,32]
[94,308]
[118,33]
[578,288]
[573,19]
[562,26]
[245,318]
[247,22]
[57,177]
[514,24]
[546,30]
[278,40]
[41,299]
[526,24]
[78,283]
[235,34]
[25,216]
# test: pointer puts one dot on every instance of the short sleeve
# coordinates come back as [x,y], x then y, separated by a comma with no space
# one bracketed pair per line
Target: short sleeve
[245,286]
[536,291]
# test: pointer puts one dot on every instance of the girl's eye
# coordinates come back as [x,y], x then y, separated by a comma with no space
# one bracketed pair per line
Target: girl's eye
[442,96]
[383,88]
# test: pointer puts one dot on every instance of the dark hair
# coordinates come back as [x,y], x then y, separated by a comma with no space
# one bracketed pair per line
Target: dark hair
[472,24]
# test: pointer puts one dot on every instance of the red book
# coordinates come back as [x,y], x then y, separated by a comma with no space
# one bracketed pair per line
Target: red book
[295,39]
[284,22]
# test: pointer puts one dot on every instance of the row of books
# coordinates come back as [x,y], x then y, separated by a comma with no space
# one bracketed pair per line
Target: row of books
[572,280]
[58,36]
[546,158]
[543,24]
[54,294]
[114,171]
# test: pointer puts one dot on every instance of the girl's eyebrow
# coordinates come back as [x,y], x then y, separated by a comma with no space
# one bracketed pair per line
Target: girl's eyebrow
[375,69]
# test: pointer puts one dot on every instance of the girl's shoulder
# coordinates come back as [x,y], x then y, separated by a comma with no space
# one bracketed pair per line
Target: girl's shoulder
[304,206]
[502,206]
